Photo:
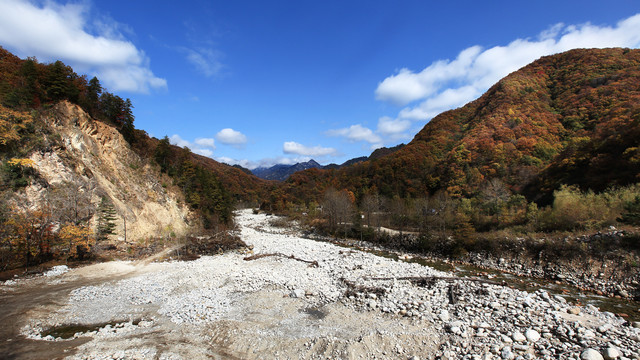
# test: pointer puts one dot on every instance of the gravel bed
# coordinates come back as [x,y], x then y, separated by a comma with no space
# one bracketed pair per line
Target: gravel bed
[470,319]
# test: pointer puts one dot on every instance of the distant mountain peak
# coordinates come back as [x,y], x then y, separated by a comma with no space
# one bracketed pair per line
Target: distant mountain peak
[281,172]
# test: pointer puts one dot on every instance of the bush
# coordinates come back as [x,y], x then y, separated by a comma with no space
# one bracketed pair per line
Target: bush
[573,209]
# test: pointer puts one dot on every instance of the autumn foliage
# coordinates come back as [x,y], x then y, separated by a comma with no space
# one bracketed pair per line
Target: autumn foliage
[571,118]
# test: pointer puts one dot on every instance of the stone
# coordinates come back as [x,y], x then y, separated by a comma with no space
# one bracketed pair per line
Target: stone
[588,334]
[591,354]
[506,353]
[611,353]
[521,347]
[532,335]
[444,315]
[636,324]
[574,310]
[604,328]
[505,339]
[517,336]
[559,299]
[297,293]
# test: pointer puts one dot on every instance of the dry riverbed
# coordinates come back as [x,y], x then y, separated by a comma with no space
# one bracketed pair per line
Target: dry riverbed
[306,300]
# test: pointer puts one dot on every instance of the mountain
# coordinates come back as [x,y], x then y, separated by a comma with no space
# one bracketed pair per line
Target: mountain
[571,118]
[282,172]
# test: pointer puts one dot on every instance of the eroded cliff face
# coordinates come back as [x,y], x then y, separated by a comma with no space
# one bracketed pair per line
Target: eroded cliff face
[96,158]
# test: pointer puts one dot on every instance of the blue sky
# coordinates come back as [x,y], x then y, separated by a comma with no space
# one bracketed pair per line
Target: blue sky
[264,82]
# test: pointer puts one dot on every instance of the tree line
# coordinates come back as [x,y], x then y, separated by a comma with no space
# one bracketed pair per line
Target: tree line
[454,226]
[29,84]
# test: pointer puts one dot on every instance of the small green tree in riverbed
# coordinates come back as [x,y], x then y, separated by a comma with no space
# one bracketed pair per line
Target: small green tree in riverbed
[106,219]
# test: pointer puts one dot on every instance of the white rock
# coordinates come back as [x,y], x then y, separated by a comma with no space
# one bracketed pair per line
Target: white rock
[532,335]
[604,328]
[297,293]
[57,270]
[506,353]
[517,336]
[505,339]
[611,353]
[591,354]
[444,315]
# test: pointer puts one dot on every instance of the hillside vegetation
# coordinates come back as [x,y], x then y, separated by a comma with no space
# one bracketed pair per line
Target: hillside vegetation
[570,118]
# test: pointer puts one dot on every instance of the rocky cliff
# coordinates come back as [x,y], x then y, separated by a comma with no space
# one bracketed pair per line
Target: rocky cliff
[94,157]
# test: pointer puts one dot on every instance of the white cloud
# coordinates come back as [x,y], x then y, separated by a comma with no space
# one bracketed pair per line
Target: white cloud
[447,84]
[202,146]
[355,133]
[206,142]
[232,137]
[61,32]
[175,139]
[292,147]
[407,86]
[392,127]
[203,152]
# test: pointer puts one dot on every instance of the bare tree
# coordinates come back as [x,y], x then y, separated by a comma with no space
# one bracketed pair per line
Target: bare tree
[338,208]
[399,213]
[370,206]
[71,201]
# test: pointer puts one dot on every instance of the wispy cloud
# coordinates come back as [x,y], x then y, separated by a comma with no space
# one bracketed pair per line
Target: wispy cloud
[231,137]
[292,147]
[447,84]
[62,32]
[207,61]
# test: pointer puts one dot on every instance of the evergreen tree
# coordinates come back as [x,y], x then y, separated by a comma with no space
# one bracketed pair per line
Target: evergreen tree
[162,152]
[106,219]
[94,90]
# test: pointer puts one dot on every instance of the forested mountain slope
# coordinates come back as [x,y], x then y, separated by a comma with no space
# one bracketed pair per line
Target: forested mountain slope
[570,118]
[74,169]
